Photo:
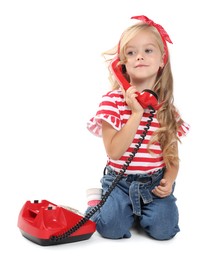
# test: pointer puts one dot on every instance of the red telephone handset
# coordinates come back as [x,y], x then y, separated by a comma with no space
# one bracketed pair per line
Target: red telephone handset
[146,98]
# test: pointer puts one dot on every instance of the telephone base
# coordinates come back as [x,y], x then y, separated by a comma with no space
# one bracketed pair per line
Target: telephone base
[49,242]
[46,223]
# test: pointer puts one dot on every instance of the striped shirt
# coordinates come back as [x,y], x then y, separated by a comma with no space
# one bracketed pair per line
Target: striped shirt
[114,110]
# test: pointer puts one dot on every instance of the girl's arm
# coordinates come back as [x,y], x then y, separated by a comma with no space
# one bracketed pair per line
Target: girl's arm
[164,189]
[117,142]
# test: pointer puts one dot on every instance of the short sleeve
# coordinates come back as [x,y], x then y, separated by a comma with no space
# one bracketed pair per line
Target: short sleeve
[107,111]
[183,128]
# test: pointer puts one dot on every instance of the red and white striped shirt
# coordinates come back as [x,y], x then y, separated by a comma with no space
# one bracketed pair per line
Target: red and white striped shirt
[114,110]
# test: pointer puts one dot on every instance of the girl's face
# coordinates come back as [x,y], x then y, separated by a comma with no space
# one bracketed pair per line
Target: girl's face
[143,59]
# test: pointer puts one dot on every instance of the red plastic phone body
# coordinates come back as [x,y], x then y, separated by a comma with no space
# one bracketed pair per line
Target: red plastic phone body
[147,98]
[39,221]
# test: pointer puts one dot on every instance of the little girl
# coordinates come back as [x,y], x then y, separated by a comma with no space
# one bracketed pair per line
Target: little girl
[141,140]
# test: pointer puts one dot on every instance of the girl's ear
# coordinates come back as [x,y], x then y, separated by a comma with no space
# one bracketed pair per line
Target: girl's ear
[162,65]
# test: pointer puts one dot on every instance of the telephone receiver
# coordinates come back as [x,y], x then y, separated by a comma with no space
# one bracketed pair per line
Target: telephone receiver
[146,98]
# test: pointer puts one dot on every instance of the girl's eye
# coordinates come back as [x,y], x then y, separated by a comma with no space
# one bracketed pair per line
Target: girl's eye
[148,50]
[131,53]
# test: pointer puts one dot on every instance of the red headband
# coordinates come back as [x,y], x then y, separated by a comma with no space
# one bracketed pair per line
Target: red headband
[165,37]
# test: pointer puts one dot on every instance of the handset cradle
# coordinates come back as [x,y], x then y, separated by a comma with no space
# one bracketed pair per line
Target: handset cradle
[146,98]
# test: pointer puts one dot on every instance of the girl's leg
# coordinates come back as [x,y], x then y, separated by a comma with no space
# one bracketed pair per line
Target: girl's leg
[160,218]
[116,217]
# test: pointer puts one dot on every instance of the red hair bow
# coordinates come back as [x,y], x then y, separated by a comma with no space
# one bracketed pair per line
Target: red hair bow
[161,30]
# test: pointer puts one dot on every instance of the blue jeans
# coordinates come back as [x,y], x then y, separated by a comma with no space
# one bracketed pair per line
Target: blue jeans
[132,200]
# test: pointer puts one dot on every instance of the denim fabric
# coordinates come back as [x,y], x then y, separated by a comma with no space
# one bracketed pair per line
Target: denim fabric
[131,201]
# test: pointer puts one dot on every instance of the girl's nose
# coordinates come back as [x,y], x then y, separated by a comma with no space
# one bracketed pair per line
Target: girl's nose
[139,56]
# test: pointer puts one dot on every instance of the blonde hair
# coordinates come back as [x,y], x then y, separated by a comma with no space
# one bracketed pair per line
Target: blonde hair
[166,135]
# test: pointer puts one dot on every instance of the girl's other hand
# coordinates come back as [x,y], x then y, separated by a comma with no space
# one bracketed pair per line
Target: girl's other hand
[164,189]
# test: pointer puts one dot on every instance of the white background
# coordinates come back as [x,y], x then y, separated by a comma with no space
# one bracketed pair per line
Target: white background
[52,77]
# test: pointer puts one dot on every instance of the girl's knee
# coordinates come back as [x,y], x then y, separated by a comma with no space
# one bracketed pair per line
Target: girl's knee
[156,228]
[162,233]
[112,230]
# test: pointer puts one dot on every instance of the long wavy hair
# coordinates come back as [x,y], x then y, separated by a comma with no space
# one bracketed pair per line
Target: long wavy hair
[166,135]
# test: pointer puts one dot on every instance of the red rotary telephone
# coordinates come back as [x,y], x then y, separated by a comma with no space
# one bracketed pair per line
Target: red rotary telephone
[45,223]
